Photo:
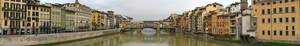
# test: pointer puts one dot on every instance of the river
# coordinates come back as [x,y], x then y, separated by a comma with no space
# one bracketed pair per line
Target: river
[149,37]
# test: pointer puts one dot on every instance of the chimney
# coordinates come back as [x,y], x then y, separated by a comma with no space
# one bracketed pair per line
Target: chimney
[244,4]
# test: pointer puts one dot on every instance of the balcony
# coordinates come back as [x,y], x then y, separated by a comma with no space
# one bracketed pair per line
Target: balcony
[5,8]
[44,26]
[232,32]
[13,8]
[14,27]
[84,27]
[15,18]
[24,9]
[232,26]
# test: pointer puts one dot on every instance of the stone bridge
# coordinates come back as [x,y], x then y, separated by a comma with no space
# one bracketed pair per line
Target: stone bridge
[158,25]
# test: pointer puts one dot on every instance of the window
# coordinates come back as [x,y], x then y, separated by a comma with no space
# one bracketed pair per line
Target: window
[263,32]
[280,10]
[269,20]
[12,14]
[280,20]
[292,0]
[5,14]
[254,2]
[12,0]
[28,24]
[293,30]
[274,19]
[286,28]
[29,7]
[37,8]
[12,6]
[33,13]
[263,11]
[5,23]
[33,8]
[262,4]
[274,32]
[23,0]
[42,9]
[274,10]
[293,19]
[28,19]
[18,15]
[280,1]
[214,5]
[269,11]
[6,5]
[287,32]
[274,2]
[23,7]
[293,33]
[11,23]
[280,32]
[18,6]
[18,23]
[28,13]
[24,15]
[286,9]
[286,1]
[293,9]
[255,10]
[23,23]
[293,27]
[37,14]
[286,19]
[268,3]
[269,32]
[18,1]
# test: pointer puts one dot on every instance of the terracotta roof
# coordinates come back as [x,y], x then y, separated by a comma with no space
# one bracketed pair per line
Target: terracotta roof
[213,4]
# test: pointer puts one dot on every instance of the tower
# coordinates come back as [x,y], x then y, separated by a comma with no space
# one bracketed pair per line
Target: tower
[244,4]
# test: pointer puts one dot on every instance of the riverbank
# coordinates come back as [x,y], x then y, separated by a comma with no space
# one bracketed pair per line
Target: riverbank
[105,33]
[256,43]
[21,40]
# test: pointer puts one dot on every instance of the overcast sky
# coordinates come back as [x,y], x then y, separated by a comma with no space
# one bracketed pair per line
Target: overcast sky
[145,9]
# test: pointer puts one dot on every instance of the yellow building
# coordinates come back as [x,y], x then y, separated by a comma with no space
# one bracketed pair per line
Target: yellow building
[277,19]
[13,15]
[83,15]
[208,8]
[63,20]
[96,24]
[227,22]
[70,20]
[102,19]
[44,18]
[55,17]
[33,16]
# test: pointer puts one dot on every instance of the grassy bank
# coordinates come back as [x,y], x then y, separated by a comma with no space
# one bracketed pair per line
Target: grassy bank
[263,43]
[277,44]
[76,40]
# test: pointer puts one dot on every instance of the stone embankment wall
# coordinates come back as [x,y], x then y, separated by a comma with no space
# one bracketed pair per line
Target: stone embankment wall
[21,40]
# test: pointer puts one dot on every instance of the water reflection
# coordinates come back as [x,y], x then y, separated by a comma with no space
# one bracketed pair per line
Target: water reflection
[151,38]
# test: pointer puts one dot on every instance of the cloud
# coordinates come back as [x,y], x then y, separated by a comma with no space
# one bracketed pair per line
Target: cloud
[145,9]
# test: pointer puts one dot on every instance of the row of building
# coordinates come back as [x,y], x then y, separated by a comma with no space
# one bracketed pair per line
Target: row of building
[263,20]
[32,17]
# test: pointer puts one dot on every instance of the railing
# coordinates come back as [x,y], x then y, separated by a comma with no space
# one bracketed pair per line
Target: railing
[15,18]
